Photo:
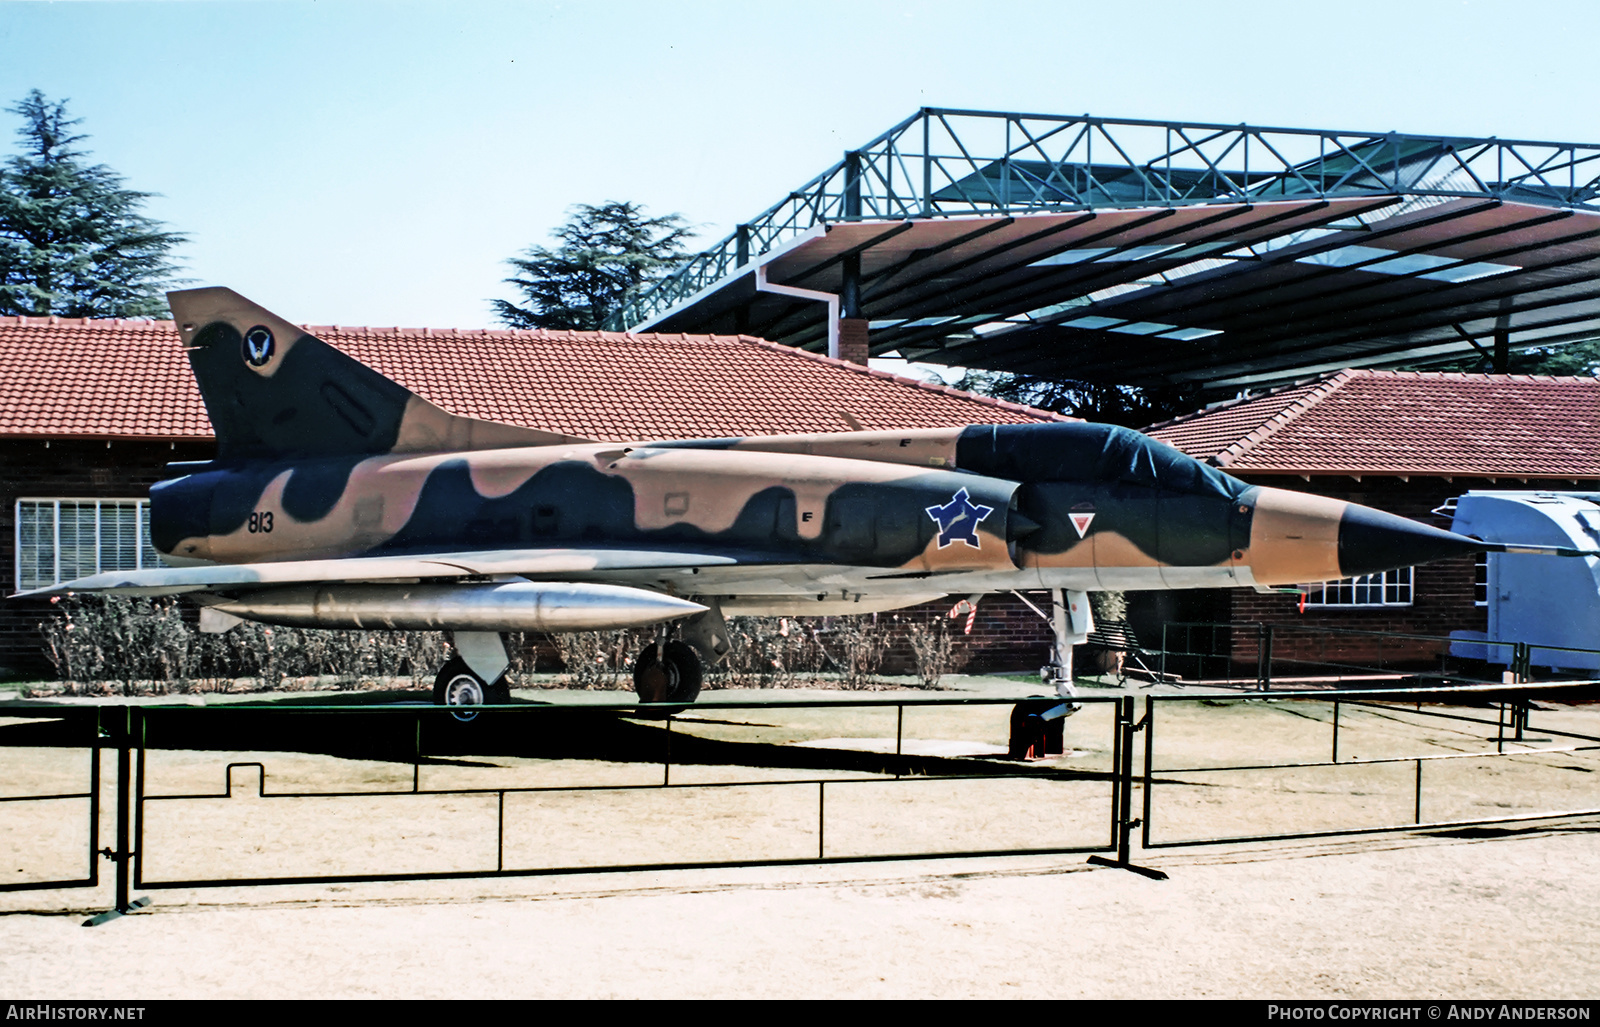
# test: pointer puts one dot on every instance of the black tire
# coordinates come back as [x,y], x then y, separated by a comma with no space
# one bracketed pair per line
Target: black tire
[457,686]
[678,679]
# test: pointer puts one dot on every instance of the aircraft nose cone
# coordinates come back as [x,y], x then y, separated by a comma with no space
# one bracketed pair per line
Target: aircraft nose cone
[1371,541]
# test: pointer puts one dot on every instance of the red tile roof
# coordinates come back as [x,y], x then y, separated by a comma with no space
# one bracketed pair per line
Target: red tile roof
[1404,422]
[128,379]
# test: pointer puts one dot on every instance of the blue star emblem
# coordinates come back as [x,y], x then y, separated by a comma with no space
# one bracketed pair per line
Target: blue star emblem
[958,520]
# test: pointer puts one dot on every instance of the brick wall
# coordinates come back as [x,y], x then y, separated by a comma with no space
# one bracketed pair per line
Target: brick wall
[1442,591]
[1006,635]
[65,470]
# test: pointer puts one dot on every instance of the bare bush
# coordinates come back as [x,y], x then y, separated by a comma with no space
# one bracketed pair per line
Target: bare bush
[142,644]
[933,648]
[119,641]
[767,652]
[855,646]
[600,659]
[426,652]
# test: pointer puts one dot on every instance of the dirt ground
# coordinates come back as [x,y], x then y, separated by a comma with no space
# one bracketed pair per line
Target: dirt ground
[1481,912]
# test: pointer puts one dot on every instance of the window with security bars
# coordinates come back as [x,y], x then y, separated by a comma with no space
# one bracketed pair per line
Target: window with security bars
[62,539]
[1390,588]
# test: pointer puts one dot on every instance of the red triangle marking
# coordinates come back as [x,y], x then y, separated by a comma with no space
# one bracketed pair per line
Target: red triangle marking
[1081,522]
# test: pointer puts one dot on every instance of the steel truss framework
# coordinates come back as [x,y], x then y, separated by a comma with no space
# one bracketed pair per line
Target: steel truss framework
[1228,256]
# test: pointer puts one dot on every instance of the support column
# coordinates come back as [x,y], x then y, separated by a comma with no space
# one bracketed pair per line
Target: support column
[852,326]
[1070,622]
[853,340]
[741,257]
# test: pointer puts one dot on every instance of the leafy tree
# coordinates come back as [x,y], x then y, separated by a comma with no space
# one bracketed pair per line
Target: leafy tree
[1137,407]
[72,239]
[1578,358]
[1127,405]
[606,254]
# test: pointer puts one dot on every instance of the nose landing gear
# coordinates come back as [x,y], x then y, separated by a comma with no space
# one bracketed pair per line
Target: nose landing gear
[670,669]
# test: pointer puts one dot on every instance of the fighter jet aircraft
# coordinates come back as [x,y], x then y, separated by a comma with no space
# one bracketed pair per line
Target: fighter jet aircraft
[339,499]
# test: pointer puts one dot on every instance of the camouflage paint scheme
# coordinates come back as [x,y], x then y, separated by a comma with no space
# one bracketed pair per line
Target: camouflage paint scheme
[327,471]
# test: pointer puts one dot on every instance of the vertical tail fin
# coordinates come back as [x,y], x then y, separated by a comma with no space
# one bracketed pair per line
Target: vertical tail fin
[275,392]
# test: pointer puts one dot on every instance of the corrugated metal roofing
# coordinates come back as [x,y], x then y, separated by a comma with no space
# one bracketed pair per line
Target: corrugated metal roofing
[128,379]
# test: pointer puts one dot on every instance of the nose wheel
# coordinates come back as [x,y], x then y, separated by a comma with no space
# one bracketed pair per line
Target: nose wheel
[672,676]
[458,687]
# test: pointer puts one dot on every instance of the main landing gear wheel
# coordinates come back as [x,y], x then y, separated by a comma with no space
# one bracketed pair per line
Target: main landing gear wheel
[674,678]
[457,686]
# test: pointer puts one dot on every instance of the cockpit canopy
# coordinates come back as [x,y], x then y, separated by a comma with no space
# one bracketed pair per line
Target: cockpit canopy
[1081,451]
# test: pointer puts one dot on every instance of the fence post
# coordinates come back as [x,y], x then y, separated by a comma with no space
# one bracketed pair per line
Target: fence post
[822,817]
[1122,793]
[122,855]
[1124,776]
[1521,662]
[1149,765]
[1118,756]
[1264,659]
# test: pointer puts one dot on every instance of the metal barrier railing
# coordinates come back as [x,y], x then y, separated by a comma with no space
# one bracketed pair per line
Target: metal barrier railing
[702,752]
[434,737]
[1391,704]
[1233,653]
[56,730]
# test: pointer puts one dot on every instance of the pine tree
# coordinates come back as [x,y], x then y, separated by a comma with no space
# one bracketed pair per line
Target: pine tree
[72,240]
[606,254]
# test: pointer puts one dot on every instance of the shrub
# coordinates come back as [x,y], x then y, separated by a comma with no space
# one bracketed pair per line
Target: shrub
[767,652]
[855,646]
[933,649]
[600,659]
[124,641]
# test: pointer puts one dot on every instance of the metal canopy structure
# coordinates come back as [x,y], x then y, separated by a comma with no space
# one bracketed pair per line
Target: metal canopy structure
[1141,252]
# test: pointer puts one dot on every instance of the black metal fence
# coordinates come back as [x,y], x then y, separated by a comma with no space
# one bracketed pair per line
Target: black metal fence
[1380,780]
[247,794]
[58,749]
[529,789]
[1264,656]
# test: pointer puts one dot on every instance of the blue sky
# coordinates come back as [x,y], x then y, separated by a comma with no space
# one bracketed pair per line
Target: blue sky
[375,163]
